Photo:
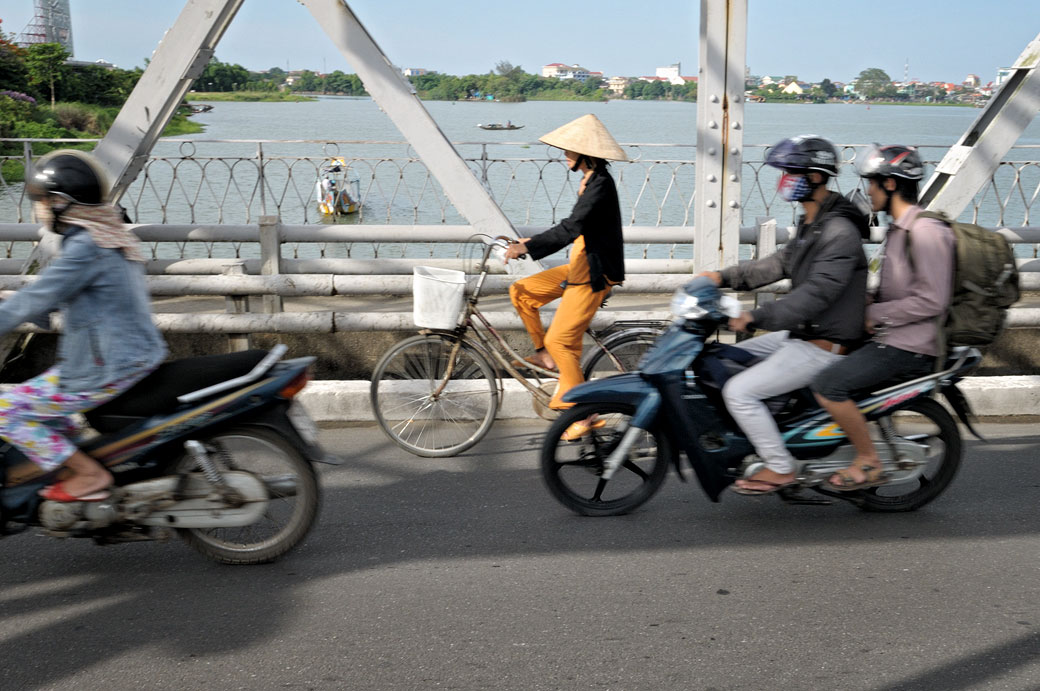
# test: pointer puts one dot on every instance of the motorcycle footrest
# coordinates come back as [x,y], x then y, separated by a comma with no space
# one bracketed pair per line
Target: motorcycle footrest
[798,495]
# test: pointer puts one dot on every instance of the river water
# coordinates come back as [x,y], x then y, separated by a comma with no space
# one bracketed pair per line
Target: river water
[209,182]
[657,189]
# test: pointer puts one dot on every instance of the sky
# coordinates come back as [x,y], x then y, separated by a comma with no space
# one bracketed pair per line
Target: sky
[941,40]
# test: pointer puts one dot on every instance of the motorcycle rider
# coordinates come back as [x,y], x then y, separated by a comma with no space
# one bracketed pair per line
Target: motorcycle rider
[817,323]
[596,264]
[108,340]
[915,272]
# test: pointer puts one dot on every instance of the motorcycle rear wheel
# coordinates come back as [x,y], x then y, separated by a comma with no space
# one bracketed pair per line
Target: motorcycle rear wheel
[571,469]
[293,493]
[938,430]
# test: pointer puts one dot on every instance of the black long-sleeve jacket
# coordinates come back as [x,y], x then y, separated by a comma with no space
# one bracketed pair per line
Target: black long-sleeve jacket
[828,272]
[597,216]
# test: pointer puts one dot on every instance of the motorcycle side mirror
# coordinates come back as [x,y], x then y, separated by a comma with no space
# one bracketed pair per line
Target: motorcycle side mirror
[730,306]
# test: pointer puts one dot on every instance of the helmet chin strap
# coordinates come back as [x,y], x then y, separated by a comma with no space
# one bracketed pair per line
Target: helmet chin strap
[887,208]
[57,210]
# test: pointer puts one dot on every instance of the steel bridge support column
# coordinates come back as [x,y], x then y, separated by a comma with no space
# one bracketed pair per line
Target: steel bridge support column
[720,132]
[392,91]
[181,57]
[970,164]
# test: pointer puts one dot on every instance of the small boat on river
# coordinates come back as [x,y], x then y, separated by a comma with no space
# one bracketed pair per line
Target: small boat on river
[500,126]
[337,191]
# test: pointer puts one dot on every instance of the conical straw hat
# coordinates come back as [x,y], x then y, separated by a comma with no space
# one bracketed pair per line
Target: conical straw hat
[586,135]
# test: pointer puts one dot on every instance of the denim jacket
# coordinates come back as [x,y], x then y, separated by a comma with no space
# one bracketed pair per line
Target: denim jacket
[108,333]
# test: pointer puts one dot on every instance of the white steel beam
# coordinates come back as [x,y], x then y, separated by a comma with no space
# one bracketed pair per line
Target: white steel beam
[392,91]
[180,58]
[970,163]
[720,132]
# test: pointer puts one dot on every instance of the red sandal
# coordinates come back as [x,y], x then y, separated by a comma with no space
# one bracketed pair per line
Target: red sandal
[57,492]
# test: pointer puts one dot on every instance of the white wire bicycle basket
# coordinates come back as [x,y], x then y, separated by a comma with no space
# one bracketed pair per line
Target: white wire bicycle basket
[438,296]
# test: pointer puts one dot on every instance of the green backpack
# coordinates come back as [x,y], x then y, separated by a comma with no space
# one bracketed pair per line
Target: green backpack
[985,284]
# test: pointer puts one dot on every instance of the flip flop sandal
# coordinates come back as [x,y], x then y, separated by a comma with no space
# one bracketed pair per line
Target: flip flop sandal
[579,429]
[57,492]
[526,363]
[771,488]
[874,477]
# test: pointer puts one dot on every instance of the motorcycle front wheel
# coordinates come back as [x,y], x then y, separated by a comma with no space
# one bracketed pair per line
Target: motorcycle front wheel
[936,431]
[293,496]
[572,470]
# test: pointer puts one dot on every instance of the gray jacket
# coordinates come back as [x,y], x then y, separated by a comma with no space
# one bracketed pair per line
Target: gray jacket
[108,331]
[828,271]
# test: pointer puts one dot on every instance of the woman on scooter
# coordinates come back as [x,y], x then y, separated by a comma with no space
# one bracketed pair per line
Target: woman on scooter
[597,260]
[108,340]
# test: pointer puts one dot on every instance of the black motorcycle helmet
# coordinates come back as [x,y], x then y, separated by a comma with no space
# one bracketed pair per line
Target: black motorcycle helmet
[804,153]
[901,163]
[894,161]
[71,175]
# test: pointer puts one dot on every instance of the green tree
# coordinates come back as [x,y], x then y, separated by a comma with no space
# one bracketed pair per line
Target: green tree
[874,82]
[45,61]
[507,69]
[828,88]
[13,74]
[654,90]
[221,76]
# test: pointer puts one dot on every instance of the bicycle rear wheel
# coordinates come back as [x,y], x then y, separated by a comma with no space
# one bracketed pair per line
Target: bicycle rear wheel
[627,347]
[407,405]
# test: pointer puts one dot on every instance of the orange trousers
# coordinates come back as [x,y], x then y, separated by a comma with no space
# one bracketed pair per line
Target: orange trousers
[563,340]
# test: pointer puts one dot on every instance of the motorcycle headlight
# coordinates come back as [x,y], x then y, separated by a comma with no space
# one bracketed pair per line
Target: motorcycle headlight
[686,306]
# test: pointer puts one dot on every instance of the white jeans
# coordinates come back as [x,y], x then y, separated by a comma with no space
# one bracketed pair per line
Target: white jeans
[790,364]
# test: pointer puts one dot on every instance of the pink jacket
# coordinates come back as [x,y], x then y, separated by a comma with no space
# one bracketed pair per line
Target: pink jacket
[911,298]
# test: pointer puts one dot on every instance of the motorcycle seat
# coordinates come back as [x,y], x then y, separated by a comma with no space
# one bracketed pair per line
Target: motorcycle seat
[158,391]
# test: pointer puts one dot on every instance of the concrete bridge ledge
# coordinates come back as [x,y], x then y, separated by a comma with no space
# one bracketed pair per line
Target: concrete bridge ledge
[331,401]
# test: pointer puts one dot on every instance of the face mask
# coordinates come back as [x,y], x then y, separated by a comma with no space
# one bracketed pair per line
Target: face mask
[794,188]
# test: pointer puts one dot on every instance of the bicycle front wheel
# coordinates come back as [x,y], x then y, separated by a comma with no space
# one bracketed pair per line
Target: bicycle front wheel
[424,408]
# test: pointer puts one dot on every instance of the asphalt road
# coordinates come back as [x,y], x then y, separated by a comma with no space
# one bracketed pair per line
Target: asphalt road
[465,574]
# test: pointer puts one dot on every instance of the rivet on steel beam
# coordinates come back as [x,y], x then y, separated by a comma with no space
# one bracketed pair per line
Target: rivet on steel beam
[711,177]
[713,125]
[714,99]
[733,178]
[711,150]
[735,151]
[736,125]
[711,203]
[733,205]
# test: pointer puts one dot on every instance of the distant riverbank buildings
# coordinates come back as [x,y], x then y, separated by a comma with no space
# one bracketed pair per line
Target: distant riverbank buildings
[616,85]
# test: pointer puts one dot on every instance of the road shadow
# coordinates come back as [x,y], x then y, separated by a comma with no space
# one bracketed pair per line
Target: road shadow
[385,507]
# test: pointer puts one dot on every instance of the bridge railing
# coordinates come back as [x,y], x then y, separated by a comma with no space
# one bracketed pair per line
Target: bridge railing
[203,181]
[261,269]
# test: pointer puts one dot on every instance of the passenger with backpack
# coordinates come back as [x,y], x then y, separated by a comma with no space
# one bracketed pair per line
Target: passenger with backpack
[914,268]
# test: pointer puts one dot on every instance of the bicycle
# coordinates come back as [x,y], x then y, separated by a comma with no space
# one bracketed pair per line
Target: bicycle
[436,394]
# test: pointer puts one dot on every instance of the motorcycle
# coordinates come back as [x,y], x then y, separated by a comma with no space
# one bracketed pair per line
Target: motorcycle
[213,448]
[674,402]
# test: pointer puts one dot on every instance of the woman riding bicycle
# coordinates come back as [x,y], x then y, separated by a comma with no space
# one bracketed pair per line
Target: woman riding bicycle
[596,263]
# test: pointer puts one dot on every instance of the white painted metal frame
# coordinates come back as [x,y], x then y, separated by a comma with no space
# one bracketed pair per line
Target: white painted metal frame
[395,95]
[970,163]
[180,58]
[720,132]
